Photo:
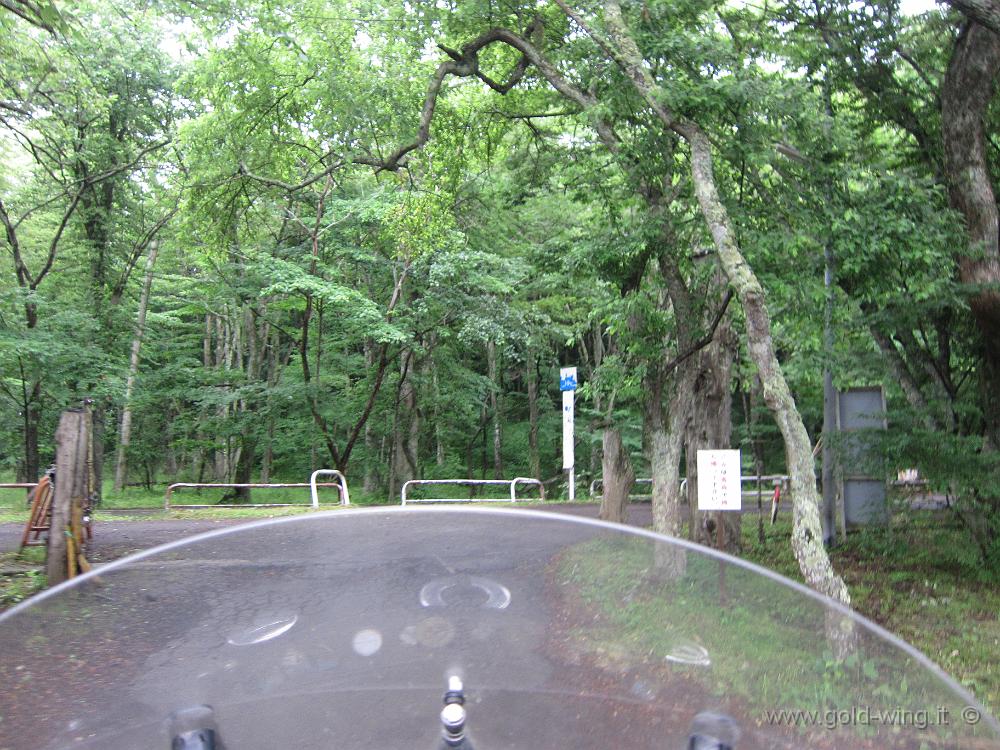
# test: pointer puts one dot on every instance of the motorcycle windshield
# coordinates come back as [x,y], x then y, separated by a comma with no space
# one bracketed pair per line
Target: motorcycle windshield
[339,630]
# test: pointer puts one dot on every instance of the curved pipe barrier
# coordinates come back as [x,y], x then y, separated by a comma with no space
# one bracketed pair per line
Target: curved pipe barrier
[342,489]
[512,483]
[345,497]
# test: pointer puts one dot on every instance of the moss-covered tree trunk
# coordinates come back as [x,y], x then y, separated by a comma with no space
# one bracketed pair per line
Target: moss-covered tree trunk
[711,428]
[665,433]
[807,535]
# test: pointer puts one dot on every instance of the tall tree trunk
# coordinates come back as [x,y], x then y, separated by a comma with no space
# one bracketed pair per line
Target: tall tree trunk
[404,462]
[170,459]
[72,479]
[966,95]
[436,415]
[484,464]
[753,398]
[807,531]
[666,438]
[249,350]
[268,457]
[32,405]
[246,456]
[125,432]
[711,428]
[97,441]
[273,339]
[394,484]
[618,478]
[496,406]
[591,357]
[32,420]
[221,360]
[531,377]
[413,435]
[370,481]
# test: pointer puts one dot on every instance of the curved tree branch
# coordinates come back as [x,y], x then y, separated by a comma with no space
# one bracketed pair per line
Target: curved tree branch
[30,12]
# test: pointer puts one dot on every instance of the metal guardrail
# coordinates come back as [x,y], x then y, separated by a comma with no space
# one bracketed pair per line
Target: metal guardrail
[471,483]
[774,479]
[597,486]
[342,489]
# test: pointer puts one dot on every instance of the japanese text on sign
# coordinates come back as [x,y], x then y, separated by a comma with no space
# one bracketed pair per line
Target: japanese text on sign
[719,480]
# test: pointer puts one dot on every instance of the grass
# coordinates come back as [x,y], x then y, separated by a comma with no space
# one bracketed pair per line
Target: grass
[13,506]
[140,497]
[766,642]
[21,575]
[919,578]
[153,497]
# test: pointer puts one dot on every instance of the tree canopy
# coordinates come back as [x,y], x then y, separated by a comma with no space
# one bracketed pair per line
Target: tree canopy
[270,237]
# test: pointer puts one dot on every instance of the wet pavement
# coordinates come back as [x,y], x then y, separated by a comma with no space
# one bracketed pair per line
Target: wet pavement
[340,630]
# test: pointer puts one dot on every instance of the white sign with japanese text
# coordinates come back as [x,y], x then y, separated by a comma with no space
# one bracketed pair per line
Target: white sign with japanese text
[719,480]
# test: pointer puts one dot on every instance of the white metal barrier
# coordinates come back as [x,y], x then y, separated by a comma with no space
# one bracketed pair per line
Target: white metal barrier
[345,497]
[774,479]
[597,486]
[340,486]
[471,483]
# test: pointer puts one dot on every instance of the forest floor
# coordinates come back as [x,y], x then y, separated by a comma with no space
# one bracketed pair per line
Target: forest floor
[919,577]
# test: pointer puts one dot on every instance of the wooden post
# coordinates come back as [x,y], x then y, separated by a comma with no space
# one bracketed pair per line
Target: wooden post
[72,475]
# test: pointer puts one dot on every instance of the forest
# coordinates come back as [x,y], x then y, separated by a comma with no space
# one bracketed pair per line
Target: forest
[268,237]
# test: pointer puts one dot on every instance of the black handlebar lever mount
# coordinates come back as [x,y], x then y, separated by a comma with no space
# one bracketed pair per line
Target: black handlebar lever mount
[193,729]
[712,731]
[453,717]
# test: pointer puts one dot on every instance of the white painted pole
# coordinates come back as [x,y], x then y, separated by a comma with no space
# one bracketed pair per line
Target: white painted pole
[568,440]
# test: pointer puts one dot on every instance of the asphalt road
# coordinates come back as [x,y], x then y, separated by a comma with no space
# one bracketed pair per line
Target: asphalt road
[339,631]
[114,539]
[331,632]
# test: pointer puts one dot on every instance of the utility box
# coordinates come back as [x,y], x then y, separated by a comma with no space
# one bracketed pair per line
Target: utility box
[864,502]
[863,497]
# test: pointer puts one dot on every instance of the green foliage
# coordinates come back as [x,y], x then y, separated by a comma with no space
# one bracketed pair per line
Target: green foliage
[633,615]
[294,279]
